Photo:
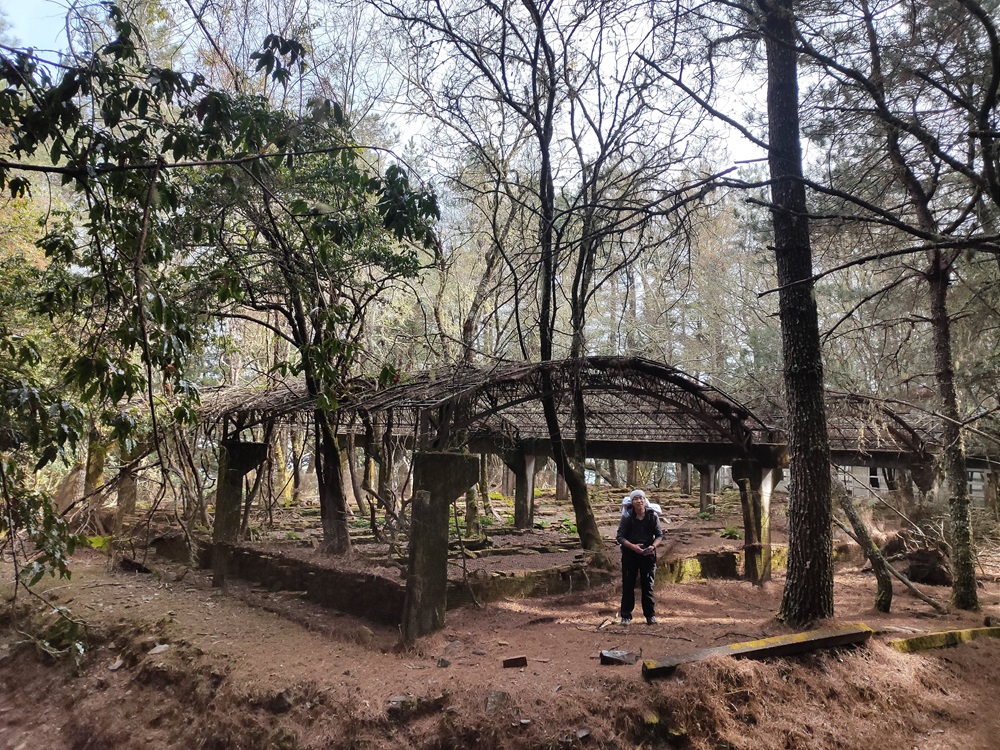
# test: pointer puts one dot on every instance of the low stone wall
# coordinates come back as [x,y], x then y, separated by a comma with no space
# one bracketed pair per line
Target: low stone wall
[381,599]
[522,584]
[362,594]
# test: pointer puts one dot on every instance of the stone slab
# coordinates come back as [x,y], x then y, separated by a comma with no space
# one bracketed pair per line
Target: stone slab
[764,648]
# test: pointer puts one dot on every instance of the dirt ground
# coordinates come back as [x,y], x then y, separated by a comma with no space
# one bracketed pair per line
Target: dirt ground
[173,663]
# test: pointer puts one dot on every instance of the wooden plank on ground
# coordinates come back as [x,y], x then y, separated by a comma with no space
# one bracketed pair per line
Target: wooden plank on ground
[764,648]
[943,639]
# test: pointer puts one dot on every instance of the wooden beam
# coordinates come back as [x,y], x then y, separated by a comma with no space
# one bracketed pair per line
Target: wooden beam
[764,648]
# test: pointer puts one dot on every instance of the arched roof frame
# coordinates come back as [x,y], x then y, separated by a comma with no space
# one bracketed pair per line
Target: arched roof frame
[669,401]
[868,426]
[655,403]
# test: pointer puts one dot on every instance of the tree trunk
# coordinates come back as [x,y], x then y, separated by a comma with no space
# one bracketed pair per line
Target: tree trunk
[128,492]
[97,454]
[484,487]
[544,108]
[473,525]
[963,592]
[296,443]
[808,593]
[352,467]
[632,473]
[282,479]
[586,524]
[751,522]
[386,459]
[906,496]
[332,497]
[883,592]
[613,474]
[990,494]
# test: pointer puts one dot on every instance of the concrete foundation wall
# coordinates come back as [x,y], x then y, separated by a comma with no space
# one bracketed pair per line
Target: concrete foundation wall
[364,595]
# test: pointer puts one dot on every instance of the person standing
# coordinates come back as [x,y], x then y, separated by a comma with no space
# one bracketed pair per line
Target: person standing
[627,503]
[639,535]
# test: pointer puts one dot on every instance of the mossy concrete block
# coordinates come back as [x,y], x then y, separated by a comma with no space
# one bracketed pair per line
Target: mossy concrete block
[728,564]
[764,648]
[943,639]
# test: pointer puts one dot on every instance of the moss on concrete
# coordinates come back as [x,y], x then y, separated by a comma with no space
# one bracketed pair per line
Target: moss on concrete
[942,639]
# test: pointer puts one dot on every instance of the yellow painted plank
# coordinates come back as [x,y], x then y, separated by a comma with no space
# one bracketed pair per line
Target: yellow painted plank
[764,648]
[943,639]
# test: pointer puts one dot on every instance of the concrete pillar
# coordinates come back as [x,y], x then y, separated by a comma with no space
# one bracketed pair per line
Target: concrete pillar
[236,460]
[756,484]
[507,482]
[562,491]
[707,486]
[523,467]
[438,478]
[684,478]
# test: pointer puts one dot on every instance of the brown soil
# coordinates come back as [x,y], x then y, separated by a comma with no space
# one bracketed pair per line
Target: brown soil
[249,668]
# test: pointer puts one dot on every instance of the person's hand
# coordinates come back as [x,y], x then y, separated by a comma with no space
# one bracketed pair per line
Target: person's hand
[649,551]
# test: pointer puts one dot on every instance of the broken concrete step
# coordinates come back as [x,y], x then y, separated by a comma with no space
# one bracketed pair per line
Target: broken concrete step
[764,648]
[618,657]
[515,661]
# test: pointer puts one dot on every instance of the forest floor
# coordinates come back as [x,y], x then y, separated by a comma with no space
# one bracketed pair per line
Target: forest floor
[174,663]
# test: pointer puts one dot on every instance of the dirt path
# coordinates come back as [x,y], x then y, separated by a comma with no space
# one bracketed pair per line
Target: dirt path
[248,668]
[174,663]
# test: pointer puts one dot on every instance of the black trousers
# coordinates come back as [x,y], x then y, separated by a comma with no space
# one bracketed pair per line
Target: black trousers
[642,567]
